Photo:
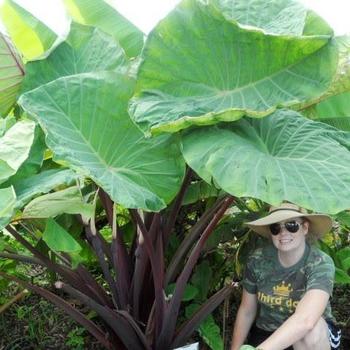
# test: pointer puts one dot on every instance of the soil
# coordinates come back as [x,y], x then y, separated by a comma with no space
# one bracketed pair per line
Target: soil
[35,324]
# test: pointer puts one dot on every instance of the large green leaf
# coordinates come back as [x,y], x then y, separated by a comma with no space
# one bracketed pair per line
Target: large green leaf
[11,74]
[31,36]
[7,205]
[15,146]
[276,17]
[53,204]
[100,14]
[40,183]
[326,103]
[87,126]
[281,157]
[58,239]
[86,49]
[200,68]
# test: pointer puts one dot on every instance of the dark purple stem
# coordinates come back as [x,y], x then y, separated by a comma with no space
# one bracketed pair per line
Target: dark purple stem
[177,206]
[172,311]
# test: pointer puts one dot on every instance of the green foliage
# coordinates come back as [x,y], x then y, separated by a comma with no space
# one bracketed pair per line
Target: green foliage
[7,205]
[75,339]
[218,70]
[103,16]
[58,239]
[31,36]
[189,293]
[96,193]
[208,329]
[341,258]
[11,74]
[279,160]
[130,177]
[49,205]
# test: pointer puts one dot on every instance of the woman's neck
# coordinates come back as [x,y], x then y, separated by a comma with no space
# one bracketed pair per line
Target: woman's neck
[290,258]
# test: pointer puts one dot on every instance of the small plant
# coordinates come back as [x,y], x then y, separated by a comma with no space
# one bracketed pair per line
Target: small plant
[75,338]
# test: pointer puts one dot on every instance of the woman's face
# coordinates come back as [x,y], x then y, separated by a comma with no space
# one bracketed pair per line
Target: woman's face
[286,241]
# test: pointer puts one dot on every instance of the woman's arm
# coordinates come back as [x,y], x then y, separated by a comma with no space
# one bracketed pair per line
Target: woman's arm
[307,314]
[245,317]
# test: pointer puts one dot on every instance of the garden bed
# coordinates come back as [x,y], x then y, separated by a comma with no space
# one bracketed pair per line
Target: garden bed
[35,324]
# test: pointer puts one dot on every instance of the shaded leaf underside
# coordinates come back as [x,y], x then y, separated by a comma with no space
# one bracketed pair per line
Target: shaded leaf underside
[11,75]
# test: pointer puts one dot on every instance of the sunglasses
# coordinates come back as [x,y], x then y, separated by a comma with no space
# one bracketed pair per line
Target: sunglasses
[291,226]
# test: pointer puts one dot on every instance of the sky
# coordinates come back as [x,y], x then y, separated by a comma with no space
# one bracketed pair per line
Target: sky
[146,13]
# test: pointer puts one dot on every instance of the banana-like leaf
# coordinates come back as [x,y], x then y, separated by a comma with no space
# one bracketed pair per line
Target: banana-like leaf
[86,49]
[53,204]
[40,183]
[87,126]
[100,14]
[15,146]
[286,17]
[281,157]
[11,74]
[31,36]
[200,68]
[7,205]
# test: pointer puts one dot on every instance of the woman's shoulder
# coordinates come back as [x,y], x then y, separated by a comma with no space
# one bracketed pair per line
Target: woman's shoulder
[317,254]
[317,257]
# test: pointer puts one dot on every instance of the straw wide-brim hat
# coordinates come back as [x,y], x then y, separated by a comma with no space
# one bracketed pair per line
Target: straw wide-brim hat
[319,224]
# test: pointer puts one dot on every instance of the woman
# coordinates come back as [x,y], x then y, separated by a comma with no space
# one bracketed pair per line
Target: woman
[287,285]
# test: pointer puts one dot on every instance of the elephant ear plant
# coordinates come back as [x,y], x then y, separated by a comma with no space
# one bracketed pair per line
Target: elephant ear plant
[216,95]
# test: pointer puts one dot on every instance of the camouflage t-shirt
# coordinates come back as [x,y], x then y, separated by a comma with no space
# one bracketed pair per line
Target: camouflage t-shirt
[279,289]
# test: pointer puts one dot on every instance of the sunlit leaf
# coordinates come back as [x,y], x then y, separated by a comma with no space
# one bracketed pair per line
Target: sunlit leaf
[86,49]
[15,146]
[100,14]
[31,36]
[286,17]
[200,68]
